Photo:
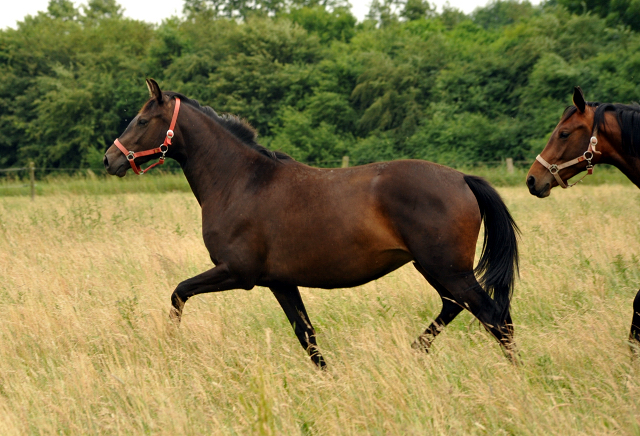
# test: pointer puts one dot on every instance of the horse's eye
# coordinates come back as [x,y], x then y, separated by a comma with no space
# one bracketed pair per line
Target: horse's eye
[564,135]
[142,122]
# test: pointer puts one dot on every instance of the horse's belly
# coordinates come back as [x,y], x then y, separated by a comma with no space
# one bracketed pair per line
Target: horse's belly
[338,268]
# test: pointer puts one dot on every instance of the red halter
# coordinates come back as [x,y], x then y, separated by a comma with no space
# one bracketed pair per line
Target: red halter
[164,147]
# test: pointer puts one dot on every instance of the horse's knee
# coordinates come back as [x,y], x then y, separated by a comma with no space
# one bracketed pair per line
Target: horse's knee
[177,305]
[180,293]
[180,296]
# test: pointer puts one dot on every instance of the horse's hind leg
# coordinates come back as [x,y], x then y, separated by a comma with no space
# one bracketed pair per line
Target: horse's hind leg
[450,309]
[467,293]
[291,302]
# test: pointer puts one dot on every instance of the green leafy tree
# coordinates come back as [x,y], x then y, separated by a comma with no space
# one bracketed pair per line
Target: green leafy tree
[416,9]
[338,24]
[625,12]
[499,13]
[68,83]
[406,83]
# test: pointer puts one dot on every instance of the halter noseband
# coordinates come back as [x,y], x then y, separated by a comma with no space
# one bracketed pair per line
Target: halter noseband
[587,155]
[164,147]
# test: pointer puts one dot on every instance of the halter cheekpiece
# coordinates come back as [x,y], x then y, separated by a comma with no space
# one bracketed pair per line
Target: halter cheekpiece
[163,148]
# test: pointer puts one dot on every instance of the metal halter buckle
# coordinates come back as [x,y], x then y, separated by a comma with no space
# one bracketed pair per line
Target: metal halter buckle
[553,169]
[169,133]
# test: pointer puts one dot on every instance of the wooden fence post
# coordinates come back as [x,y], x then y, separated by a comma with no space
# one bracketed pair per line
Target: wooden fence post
[32,177]
[510,165]
[345,161]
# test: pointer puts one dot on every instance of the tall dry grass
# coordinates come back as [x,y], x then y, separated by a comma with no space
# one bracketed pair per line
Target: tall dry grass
[86,346]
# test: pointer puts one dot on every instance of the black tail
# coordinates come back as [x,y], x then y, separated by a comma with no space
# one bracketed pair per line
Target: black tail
[498,265]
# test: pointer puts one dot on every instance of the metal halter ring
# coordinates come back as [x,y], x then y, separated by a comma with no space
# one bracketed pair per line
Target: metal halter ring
[166,148]
[169,133]
[131,156]
[588,159]
[553,169]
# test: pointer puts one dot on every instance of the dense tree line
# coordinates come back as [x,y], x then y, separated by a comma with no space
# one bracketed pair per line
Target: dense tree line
[408,82]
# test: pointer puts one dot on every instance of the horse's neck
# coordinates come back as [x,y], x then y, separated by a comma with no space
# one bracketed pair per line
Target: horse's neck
[630,167]
[614,154]
[216,163]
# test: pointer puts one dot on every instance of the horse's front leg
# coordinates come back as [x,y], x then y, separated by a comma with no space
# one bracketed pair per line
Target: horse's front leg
[634,335]
[215,280]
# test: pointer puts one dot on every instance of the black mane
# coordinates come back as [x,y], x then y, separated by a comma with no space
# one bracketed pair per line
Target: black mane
[235,125]
[628,117]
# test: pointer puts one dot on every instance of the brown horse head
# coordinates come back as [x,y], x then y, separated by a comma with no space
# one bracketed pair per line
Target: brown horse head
[568,151]
[145,135]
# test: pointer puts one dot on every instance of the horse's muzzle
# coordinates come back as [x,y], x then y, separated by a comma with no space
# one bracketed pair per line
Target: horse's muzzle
[540,193]
[112,167]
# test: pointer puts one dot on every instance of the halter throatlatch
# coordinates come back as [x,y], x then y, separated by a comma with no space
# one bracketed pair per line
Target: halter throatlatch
[163,148]
[587,155]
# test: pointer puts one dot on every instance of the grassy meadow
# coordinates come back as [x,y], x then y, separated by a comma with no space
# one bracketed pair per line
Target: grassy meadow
[86,346]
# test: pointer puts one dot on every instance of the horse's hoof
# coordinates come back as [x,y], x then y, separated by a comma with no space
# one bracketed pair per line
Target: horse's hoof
[512,354]
[420,346]
[175,316]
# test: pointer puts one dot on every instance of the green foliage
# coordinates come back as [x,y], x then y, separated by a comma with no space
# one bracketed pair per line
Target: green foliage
[338,24]
[406,83]
[499,13]
[309,138]
[616,12]
[67,91]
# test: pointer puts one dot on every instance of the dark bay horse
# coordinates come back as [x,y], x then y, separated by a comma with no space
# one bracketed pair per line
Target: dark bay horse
[590,133]
[270,221]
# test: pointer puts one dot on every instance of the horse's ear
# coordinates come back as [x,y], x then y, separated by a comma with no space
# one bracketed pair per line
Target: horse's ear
[154,90]
[578,99]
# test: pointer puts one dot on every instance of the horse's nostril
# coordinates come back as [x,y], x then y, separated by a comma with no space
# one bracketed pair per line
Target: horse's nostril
[105,161]
[531,181]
